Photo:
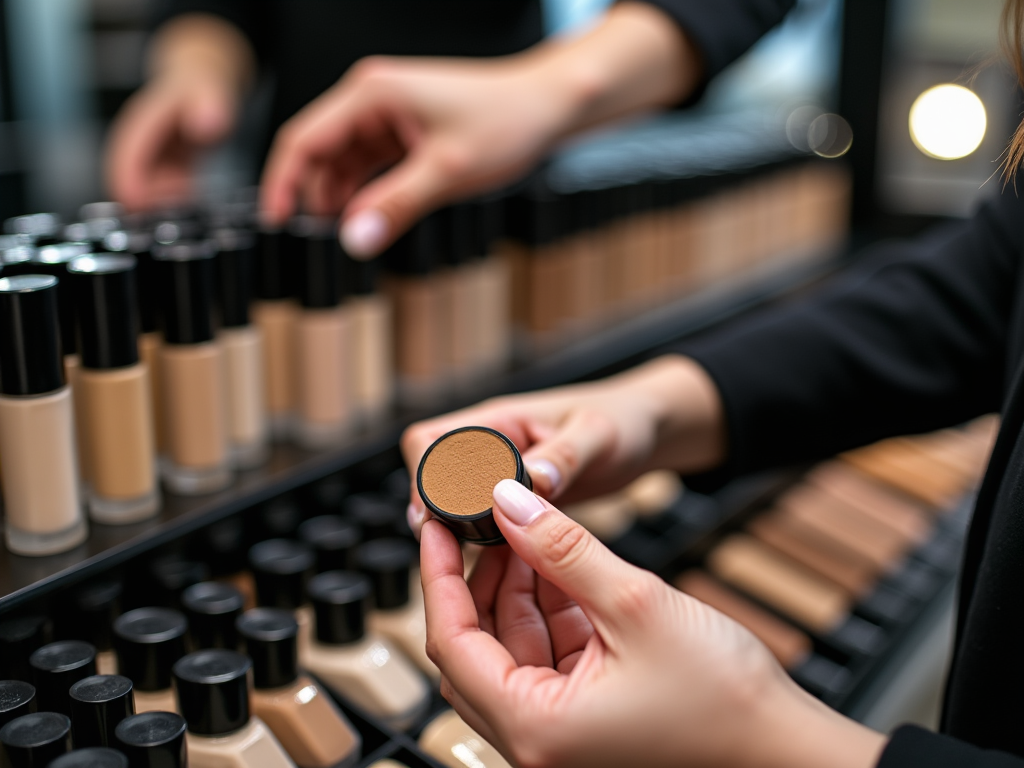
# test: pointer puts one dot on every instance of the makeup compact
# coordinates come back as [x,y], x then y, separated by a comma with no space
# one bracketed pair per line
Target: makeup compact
[457,475]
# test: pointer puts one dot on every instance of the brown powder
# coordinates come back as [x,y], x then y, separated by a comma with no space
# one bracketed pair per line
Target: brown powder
[461,471]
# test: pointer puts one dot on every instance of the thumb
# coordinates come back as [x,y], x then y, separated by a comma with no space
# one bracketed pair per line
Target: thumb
[616,597]
[208,114]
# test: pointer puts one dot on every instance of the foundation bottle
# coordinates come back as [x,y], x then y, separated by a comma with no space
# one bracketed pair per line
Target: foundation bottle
[334,540]
[172,574]
[148,642]
[98,704]
[323,339]
[493,291]
[114,392]
[402,620]
[35,740]
[192,366]
[58,666]
[37,433]
[17,698]
[416,297]
[41,228]
[213,693]
[361,666]
[243,350]
[91,615]
[281,568]
[18,639]
[91,757]
[458,298]
[212,608]
[274,313]
[451,742]
[378,516]
[303,718]
[225,548]
[456,480]
[153,740]
[373,374]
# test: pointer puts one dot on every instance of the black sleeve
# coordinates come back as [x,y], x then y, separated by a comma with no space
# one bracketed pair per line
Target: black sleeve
[250,16]
[913,339]
[912,747]
[723,30]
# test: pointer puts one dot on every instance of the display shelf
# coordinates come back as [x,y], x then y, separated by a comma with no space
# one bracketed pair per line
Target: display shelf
[27,578]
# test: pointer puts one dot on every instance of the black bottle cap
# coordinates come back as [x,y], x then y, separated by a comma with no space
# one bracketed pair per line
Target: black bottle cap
[42,227]
[107,310]
[225,546]
[281,568]
[360,275]
[185,274]
[388,562]
[461,241]
[17,698]
[334,539]
[31,358]
[488,223]
[98,704]
[271,641]
[54,260]
[377,515]
[148,642]
[319,269]
[235,267]
[279,518]
[173,575]
[34,740]
[18,260]
[416,252]
[101,209]
[213,691]
[153,740]
[211,608]
[18,639]
[138,244]
[94,610]
[91,757]
[326,496]
[58,666]
[340,601]
[273,266]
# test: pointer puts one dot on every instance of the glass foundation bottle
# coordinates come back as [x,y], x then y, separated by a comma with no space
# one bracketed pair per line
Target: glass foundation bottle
[372,362]
[153,740]
[274,313]
[243,350]
[213,694]
[192,365]
[309,726]
[361,666]
[58,666]
[17,698]
[98,704]
[323,339]
[90,616]
[398,617]
[451,742]
[212,608]
[459,303]
[35,740]
[281,568]
[148,642]
[37,433]
[114,392]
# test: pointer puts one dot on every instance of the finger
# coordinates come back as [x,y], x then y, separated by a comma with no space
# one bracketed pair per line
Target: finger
[569,627]
[519,623]
[484,583]
[208,114]
[467,713]
[581,440]
[147,125]
[614,595]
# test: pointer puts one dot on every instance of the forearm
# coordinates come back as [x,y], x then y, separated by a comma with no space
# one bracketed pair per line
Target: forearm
[204,44]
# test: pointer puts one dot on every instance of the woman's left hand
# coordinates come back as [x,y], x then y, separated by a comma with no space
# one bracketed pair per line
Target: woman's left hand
[560,653]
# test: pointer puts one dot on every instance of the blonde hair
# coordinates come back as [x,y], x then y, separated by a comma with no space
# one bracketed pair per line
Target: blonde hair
[1012,39]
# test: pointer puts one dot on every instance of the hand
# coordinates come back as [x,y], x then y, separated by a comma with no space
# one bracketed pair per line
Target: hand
[561,654]
[587,439]
[441,129]
[201,66]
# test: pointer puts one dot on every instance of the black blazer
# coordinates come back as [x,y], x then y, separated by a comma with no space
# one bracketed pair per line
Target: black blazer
[924,335]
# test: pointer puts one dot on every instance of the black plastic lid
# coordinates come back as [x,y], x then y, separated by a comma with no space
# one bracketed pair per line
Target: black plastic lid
[225,546]
[488,223]
[271,636]
[185,275]
[31,357]
[173,575]
[461,240]
[213,691]
[91,757]
[43,227]
[235,268]
[54,260]
[93,611]
[35,740]
[107,309]
[340,601]
[360,275]
[273,270]
[325,497]
[211,608]
[148,642]
[388,563]
[17,698]
[101,209]
[98,704]
[278,518]
[377,515]
[281,568]
[334,539]
[58,666]
[319,270]
[138,244]
[153,740]
[18,639]
[416,252]
[18,260]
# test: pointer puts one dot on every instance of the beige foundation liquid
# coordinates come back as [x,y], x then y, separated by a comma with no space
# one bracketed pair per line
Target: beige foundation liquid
[37,434]
[149,353]
[114,391]
[274,313]
[451,742]
[373,374]
[72,367]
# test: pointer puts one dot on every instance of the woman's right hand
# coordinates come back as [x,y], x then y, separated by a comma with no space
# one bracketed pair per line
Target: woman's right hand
[583,440]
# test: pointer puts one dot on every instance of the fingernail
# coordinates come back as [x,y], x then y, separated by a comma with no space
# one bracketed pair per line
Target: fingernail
[364,234]
[415,516]
[517,503]
[544,468]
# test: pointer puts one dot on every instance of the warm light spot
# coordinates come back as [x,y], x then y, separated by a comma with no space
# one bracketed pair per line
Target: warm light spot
[948,122]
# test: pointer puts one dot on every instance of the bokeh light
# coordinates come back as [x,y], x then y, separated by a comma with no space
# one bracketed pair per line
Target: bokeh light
[948,122]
